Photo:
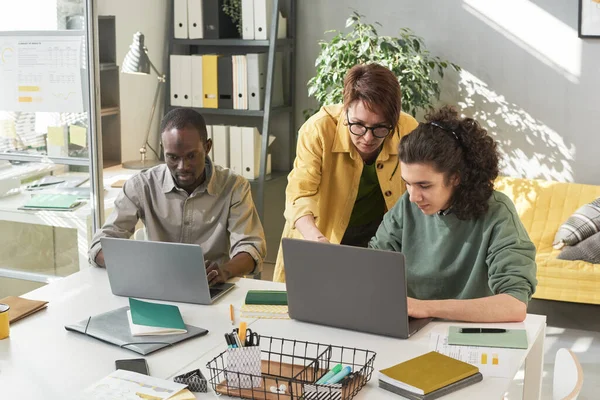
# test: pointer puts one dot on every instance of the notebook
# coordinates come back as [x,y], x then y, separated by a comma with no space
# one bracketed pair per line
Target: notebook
[113,327]
[21,308]
[512,338]
[264,311]
[436,393]
[146,318]
[267,297]
[52,202]
[427,373]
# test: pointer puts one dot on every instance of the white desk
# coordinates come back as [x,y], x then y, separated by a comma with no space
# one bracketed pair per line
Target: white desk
[41,359]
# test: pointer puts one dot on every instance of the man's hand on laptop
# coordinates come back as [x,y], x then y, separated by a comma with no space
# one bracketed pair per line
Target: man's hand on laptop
[100,259]
[215,274]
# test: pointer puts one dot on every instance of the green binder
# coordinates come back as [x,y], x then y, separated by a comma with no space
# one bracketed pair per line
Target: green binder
[512,338]
[267,297]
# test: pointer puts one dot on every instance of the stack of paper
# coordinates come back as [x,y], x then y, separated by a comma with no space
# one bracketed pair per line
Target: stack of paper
[264,311]
[428,376]
[154,319]
[128,385]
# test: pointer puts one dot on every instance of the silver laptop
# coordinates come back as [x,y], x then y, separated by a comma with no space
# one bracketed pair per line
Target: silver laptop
[159,270]
[348,287]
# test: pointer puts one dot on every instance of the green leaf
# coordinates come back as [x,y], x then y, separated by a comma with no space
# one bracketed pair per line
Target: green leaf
[406,56]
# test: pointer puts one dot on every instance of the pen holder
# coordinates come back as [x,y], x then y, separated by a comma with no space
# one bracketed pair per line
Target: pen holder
[243,367]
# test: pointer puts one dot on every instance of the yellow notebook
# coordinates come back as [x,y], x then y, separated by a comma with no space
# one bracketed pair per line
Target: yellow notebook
[427,373]
[210,85]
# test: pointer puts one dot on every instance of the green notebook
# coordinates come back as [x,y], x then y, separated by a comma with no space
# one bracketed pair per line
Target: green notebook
[155,314]
[52,202]
[511,339]
[268,297]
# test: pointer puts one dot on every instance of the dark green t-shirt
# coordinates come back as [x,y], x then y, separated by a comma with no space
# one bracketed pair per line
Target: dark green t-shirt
[370,204]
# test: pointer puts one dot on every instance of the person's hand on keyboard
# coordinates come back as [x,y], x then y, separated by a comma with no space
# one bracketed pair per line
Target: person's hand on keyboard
[215,274]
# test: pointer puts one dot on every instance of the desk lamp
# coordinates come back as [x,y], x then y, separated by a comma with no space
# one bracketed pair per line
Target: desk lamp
[137,62]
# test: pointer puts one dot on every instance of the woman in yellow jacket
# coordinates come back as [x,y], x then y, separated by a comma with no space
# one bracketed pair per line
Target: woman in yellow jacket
[346,172]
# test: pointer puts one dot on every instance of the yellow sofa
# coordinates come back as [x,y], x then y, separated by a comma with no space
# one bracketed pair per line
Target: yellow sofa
[543,206]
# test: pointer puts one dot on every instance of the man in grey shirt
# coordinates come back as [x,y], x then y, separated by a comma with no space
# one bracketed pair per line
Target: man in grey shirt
[190,200]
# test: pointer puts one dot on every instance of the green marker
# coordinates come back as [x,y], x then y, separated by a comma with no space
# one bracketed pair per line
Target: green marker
[330,374]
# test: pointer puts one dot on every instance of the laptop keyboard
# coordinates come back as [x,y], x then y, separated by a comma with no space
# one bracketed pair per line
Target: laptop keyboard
[214,292]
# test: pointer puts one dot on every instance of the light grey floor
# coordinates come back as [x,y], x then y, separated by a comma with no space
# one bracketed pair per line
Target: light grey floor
[573,326]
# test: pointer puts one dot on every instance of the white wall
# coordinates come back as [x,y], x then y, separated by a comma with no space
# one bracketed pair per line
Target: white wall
[137,91]
[527,76]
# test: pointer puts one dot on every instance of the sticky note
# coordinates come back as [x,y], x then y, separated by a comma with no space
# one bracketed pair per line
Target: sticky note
[77,135]
[56,136]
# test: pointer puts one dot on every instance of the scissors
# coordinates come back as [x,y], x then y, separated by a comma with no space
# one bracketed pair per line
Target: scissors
[252,339]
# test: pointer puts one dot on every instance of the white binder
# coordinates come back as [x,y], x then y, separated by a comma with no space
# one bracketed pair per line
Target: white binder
[235,149]
[174,80]
[262,16]
[221,145]
[180,19]
[256,80]
[251,152]
[248,19]
[240,82]
[195,21]
[197,94]
[185,79]
[263,10]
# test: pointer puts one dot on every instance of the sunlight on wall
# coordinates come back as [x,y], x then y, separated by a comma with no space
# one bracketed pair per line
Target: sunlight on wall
[535,30]
[529,148]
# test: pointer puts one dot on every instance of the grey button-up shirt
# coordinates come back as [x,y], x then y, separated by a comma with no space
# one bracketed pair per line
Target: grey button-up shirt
[219,215]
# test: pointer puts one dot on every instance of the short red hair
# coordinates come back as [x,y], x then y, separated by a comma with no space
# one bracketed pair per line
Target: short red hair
[377,87]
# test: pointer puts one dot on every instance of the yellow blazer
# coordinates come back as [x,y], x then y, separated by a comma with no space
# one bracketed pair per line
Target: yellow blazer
[327,169]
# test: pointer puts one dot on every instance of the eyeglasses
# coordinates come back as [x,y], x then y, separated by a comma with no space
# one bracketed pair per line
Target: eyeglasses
[358,129]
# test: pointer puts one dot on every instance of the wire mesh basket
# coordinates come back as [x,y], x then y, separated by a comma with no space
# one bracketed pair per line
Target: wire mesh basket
[289,370]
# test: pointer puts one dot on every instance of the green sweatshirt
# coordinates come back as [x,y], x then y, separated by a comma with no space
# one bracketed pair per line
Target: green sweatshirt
[448,258]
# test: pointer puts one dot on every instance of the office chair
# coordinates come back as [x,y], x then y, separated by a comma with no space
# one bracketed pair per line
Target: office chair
[568,376]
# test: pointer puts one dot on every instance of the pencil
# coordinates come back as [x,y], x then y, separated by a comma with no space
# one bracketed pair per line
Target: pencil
[231,314]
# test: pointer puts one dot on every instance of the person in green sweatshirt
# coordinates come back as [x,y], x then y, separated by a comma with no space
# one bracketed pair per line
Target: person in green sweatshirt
[468,256]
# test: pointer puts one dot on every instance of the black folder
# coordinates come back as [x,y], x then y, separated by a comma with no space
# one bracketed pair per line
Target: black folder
[225,82]
[217,24]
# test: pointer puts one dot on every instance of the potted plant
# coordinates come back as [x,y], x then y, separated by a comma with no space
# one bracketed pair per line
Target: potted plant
[405,56]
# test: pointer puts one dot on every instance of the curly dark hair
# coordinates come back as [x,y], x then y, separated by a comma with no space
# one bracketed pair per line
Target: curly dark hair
[456,146]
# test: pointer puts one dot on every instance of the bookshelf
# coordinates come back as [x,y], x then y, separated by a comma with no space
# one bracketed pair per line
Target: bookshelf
[268,191]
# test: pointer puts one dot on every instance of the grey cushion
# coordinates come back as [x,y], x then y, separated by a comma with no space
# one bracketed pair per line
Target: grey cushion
[582,224]
[586,250]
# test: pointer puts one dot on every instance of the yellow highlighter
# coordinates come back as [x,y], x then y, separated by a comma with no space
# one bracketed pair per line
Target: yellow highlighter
[242,333]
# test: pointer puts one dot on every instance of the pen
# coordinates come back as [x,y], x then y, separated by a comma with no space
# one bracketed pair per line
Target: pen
[482,330]
[329,374]
[231,314]
[339,376]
